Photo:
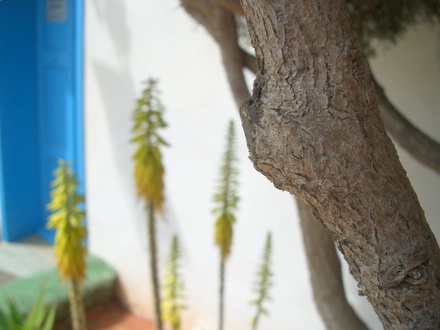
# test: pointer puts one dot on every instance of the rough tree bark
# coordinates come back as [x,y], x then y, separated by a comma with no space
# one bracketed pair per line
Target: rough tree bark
[313,128]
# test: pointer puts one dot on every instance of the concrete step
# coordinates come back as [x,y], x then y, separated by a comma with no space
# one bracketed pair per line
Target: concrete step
[98,288]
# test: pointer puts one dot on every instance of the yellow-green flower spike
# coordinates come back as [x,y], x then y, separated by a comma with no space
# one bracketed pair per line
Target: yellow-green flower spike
[149,170]
[226,198]
[67,218]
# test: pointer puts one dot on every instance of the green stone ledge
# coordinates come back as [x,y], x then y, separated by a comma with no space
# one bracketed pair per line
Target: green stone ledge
[98,288]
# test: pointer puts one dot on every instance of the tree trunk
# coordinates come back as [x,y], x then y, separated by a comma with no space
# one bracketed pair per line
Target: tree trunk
[313,128]
[326,275]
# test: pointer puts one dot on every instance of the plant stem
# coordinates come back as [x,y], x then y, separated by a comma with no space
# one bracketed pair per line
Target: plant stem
[153,265]
[257,317]
[222,293]
[76,306]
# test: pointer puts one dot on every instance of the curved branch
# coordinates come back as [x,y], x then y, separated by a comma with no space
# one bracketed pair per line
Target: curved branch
[409,137]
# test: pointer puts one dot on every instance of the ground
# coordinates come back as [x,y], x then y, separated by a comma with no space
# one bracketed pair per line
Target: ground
[112,316]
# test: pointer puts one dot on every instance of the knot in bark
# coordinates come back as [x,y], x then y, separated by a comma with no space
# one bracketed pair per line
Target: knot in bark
[411,271]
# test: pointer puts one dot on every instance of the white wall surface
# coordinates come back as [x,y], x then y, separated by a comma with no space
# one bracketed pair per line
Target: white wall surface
[128,41]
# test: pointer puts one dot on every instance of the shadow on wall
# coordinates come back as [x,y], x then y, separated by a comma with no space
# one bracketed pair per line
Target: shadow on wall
[119,105]
[120,102]
[112,14]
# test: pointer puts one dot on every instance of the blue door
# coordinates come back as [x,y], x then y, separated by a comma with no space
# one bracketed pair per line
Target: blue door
[41,115]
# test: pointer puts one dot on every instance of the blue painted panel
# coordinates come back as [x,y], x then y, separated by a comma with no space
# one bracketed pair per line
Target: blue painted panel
[19,170]
[41,117]
[54,118]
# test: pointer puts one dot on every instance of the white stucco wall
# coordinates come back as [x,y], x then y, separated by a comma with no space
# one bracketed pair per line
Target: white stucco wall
[128,41]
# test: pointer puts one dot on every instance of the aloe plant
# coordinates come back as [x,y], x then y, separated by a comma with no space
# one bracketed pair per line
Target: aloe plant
[173,289]
[263,283]
[39,318]
[67,218]
[149,172]
[226,201]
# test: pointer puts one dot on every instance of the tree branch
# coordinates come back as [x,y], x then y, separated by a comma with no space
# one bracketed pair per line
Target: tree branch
[409,137]
[323,262]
